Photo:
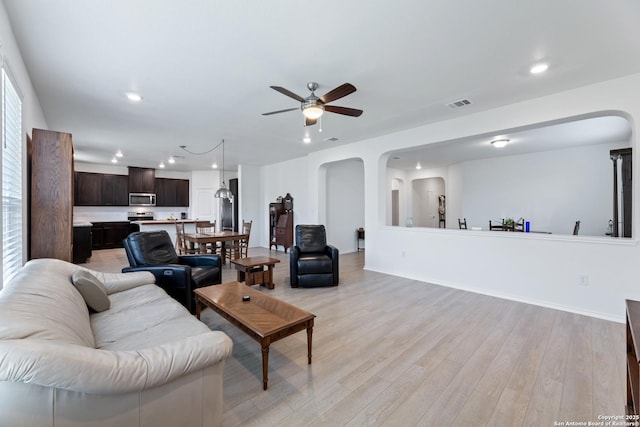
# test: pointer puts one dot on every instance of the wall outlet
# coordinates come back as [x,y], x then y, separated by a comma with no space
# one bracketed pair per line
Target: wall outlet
[583,280]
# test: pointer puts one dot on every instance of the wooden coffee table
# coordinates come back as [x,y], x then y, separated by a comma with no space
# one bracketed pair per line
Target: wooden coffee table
[263,318]
[251,270]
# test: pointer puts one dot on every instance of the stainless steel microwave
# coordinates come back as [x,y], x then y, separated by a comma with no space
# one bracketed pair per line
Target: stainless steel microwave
[142,199]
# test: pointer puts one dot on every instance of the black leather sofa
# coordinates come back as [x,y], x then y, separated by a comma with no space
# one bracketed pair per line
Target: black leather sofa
[311,261]
[153,251]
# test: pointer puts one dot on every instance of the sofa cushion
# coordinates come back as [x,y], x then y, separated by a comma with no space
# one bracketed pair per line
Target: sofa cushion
[158,320]
[92,290]
[40,302]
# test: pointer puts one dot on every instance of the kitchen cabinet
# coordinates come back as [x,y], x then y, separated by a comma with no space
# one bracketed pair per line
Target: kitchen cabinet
[87,189]
[142,180]
[81,243]
[50,231]
[172,192]
[115,190]
[109,234]
[97,189]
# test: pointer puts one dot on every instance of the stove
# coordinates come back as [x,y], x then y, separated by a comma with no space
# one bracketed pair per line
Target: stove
[140,216]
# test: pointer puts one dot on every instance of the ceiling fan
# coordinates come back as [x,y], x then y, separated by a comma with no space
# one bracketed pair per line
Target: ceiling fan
[312,106]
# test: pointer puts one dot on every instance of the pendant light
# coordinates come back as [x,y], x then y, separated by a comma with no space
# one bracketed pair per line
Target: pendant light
[223,192]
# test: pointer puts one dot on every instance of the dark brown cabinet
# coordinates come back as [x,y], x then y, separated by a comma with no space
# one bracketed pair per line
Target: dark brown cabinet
[81,243]
[633,357]
[96,189]
[51,201]
[115,190]
[142,180]
[109,235]
[87,189]
[172,192]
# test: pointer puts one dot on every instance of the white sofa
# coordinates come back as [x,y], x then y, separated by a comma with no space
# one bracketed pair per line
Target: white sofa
[144,362]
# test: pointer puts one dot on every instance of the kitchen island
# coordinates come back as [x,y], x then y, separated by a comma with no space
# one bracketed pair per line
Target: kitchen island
[167,225]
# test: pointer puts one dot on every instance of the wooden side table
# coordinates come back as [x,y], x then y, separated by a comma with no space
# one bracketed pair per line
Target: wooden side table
[633,354]
[256,270]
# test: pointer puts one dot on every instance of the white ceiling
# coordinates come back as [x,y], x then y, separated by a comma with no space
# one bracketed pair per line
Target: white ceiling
[548,137]
[204,67]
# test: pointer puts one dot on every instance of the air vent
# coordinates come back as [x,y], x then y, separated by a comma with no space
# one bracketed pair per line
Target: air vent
[459,104]
[331,139]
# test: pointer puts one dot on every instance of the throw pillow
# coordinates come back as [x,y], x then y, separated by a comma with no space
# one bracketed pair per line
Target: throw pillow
[91,289]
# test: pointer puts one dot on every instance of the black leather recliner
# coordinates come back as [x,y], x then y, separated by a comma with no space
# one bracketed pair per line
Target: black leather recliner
[153,251]
[311,261]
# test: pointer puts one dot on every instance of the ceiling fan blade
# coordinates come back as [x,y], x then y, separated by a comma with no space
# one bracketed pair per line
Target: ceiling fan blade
[279,111]
[337,93]
[353,112]
[310,122]
[288,93]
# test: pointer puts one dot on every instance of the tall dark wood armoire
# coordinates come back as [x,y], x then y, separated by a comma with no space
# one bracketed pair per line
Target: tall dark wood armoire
[281,222]
[51,200]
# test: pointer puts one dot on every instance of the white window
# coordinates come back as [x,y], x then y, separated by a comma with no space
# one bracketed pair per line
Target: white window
[11,109]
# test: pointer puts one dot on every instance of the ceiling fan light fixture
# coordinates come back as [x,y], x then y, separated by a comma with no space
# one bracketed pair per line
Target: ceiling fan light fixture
[313,111]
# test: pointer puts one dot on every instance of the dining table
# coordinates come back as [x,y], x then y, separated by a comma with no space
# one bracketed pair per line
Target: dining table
[200,240]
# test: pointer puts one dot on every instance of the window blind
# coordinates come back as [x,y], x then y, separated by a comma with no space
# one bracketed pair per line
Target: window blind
[11,179]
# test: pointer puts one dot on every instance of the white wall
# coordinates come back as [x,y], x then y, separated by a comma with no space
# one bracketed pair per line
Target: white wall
[32,116]
[397,180]
[344,203]
[250,206]
[279,179]
[425,194]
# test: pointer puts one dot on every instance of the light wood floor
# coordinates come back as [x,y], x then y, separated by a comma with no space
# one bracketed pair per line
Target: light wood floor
[398,352]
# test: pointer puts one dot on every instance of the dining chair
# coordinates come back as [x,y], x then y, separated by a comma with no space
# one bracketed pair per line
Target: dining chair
[242,246]
[181,244]
[519,225]
[204,227]
[462,223]
[499,227]
[576,228]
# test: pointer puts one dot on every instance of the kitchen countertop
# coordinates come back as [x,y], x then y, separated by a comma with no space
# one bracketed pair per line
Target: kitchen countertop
[164,221]
[82,224]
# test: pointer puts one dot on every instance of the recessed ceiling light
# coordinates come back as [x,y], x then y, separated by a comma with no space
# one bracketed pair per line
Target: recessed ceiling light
[306,140]
[499,143]
[161,165]
[114,160]
[539,68]
[119,153]
[172,160]
[418,166]
[134,97]
[215,166]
